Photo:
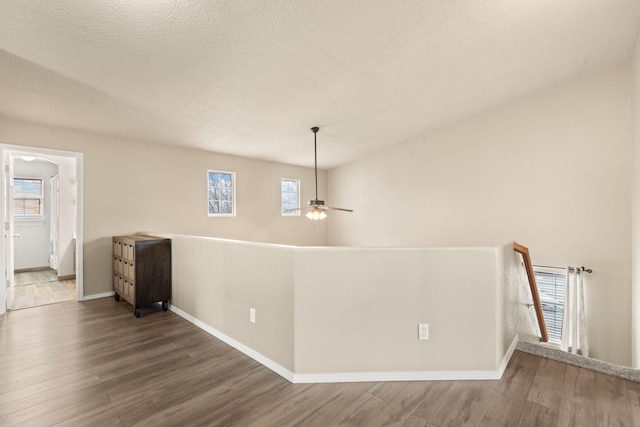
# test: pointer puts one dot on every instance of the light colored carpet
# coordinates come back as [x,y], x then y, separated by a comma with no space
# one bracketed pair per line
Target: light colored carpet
[625,372]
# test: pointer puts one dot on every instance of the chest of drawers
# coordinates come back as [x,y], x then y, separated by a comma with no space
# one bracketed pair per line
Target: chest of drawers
[142,270]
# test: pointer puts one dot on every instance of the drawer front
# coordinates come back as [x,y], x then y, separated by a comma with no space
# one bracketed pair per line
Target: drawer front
[117,249]
[118,285]
[127,252]
[132,292]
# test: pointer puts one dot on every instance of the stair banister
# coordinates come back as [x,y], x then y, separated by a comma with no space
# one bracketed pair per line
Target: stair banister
[534,289]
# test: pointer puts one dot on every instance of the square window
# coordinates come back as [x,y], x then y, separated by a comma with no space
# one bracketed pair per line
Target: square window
[221,193]
[28,194]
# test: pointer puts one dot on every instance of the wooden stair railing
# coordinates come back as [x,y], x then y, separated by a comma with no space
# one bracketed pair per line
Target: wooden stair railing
[534,289]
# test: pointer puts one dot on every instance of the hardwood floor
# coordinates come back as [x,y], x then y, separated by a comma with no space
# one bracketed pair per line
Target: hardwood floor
[94,364]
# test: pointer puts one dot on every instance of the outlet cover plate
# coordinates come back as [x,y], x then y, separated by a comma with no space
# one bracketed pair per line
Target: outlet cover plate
[423,331]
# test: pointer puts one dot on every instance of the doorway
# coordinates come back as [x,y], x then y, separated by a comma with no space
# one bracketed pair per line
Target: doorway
[41,286]
[42,217]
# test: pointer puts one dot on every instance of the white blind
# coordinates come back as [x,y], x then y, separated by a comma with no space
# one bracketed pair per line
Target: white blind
[27,196]
[552,289]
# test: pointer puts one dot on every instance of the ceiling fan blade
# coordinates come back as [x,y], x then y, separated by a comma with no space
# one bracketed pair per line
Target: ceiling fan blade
[295,209]
[339,209]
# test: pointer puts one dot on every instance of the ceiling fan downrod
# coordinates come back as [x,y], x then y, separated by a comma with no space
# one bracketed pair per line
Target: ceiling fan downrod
[318,208]
[315,130]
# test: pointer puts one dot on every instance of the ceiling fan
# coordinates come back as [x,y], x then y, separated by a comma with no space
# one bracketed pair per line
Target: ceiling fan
[317,207]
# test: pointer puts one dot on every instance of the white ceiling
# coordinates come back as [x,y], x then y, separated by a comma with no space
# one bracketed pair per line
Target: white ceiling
[250,77]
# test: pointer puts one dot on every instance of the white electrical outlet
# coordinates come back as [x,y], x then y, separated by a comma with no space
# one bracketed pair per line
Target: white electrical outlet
[423,331]
[252,315]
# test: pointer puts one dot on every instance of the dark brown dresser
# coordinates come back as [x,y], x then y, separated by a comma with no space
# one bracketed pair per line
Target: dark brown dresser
[142,270]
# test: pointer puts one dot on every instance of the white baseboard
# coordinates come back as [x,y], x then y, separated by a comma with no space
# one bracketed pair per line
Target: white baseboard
[507,356]
[345,377]
[411,375]
[96,296]
[350,377]
[275,367]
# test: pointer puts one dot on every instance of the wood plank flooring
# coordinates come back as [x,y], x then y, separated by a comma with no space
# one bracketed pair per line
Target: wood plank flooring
[94,364]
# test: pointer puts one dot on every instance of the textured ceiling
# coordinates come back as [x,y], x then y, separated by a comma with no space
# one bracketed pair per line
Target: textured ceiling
[250,77]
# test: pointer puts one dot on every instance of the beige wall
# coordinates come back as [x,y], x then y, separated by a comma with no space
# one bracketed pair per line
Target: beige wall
[551,171]
[636,204]
[131,186]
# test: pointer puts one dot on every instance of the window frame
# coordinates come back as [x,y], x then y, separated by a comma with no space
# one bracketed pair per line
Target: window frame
[556,324]
[282,193]
[41,215]
[233,193]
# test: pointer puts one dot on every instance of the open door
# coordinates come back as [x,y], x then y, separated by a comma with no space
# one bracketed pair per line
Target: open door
[54,216]
[7,192]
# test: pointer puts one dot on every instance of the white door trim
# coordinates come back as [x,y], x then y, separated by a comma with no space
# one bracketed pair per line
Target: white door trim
[26,150]
[8,236]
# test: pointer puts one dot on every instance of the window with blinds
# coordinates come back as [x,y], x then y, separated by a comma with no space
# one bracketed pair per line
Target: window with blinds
[27,197]
[552,285]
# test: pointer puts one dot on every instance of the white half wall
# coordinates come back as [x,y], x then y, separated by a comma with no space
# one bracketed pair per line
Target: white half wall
[358,310]
[217,281]
[551,171]
[351,314]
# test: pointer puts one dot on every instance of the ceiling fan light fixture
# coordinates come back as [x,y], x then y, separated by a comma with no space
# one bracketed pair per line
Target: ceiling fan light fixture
[317,212]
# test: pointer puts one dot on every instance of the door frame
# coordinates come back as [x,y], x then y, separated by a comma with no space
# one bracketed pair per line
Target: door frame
[35,151]
[8,233]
